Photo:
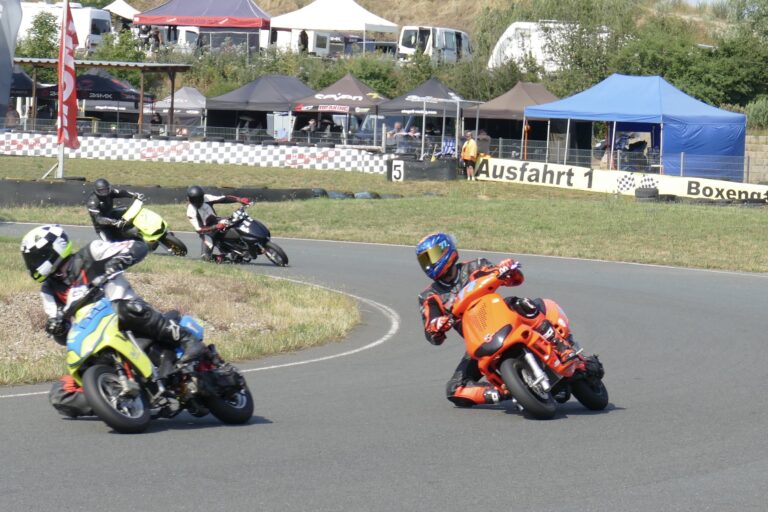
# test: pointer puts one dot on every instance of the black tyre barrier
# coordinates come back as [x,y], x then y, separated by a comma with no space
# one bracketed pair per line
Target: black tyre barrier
[367,195]
[213,139]
[326,145]
[160,137]
[647,194]
[73,191]
[319,192]
[333,194]
[141,135]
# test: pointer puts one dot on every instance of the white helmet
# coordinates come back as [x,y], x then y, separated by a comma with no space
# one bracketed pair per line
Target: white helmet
[44,249]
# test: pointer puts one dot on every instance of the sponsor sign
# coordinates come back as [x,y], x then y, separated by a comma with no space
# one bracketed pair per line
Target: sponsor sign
[67,130]
[613,182]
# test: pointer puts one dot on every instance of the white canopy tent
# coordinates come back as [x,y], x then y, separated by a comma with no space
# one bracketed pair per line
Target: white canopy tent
[333,16]
[122,9]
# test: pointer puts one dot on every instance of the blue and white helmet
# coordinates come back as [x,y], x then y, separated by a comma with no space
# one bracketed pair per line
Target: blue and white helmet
[44,249]
[436,253]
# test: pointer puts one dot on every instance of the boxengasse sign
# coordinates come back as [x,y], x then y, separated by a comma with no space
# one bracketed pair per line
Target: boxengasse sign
[613,182]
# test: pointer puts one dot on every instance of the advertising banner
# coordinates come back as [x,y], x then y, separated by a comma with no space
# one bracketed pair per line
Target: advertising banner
[614,182]
[10,19]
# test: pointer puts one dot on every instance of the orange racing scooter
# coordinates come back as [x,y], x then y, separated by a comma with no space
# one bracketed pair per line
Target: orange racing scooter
[519,361]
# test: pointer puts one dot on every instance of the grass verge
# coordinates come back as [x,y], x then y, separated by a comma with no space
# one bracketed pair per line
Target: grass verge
[488,216]
[247,316]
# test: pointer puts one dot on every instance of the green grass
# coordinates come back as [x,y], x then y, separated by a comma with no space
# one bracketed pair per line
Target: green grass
[246,315]
[487,216]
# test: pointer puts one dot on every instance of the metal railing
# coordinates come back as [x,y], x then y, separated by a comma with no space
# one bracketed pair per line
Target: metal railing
[434,146]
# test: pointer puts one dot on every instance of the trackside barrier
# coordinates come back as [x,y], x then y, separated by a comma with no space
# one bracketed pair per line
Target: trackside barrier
[302,157]
[615,182]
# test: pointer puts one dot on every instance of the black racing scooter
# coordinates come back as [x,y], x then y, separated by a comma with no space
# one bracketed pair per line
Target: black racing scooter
[245,238]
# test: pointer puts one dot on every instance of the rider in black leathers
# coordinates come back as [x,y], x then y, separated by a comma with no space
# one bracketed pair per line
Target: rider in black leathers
[105,217]
[47,253]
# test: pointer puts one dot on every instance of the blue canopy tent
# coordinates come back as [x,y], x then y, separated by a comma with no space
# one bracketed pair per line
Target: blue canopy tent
[694,139]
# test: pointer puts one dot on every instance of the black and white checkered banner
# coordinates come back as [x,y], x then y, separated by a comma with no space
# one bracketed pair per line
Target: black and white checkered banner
[301,157]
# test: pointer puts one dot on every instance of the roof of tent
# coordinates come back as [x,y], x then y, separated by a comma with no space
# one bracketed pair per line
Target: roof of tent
[348,95]
[638,99]
[97,84]
[512,103]
[269,93]
[21,86]
[333,15]
[186,100]
[206,13]
[122,9]
[431,96]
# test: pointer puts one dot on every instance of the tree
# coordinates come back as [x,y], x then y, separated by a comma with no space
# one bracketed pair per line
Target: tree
[120,48]
[42,42]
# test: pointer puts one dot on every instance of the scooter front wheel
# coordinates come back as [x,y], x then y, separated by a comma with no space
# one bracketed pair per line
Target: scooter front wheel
[125,414]
[275,254]
[172,242]
[517,376]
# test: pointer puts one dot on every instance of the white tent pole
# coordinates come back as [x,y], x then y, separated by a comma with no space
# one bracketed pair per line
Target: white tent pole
[613,143]
[522,138]
[567,137]
[423,126]
[546,154]
[661,149]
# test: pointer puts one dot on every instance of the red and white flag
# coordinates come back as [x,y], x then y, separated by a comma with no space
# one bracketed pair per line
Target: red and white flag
[67,131]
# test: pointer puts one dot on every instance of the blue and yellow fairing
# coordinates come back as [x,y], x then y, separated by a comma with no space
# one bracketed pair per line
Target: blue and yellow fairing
[94,330]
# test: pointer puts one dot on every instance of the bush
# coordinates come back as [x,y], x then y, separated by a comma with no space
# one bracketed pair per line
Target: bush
[757,113]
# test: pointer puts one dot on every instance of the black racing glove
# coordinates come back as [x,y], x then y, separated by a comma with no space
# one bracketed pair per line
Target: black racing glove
[117,264]
[58,328]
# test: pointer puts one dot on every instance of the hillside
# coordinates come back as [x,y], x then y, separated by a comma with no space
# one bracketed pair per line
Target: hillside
[442,13]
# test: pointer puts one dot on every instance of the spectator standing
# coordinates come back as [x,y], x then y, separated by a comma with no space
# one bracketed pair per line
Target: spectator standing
[483,144]
[397,135]
[469,155]
[310,129]
[155,123]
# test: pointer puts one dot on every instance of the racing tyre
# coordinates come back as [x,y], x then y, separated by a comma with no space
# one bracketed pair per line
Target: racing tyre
[275,254]
[125,414]
[235,409]
[517,375]
[172,242]
[591,393]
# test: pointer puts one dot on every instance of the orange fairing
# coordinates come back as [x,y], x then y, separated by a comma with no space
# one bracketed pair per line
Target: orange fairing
[557,318]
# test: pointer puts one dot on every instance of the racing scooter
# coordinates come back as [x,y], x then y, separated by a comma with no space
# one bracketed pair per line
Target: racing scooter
[244,238]
[516,359]
[152,228]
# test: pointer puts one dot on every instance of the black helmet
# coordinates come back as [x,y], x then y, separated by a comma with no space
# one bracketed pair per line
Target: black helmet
[44,249]
[195,195]
[102,187]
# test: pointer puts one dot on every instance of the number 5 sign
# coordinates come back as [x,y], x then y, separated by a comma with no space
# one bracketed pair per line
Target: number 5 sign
[397,170]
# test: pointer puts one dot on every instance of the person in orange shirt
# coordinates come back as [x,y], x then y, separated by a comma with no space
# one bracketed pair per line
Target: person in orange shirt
[469,155]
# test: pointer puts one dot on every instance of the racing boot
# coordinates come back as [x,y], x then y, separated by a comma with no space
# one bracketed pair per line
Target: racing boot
[475,394]
[192,347]
[547,332]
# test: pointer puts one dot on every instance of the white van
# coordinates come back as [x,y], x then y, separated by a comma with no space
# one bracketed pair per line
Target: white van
[90,23]
[443,45]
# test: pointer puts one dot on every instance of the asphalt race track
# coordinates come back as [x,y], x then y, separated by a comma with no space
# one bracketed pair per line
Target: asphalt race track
[370,430]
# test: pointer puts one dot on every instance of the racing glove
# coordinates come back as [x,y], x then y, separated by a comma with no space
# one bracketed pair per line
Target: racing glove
[223,225]
[117,264]
[138,195]
[439,325]
[119,224]
[58,328]
[509,270]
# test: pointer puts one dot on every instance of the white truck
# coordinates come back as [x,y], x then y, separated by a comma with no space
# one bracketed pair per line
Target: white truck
[90,23]
[443,45]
